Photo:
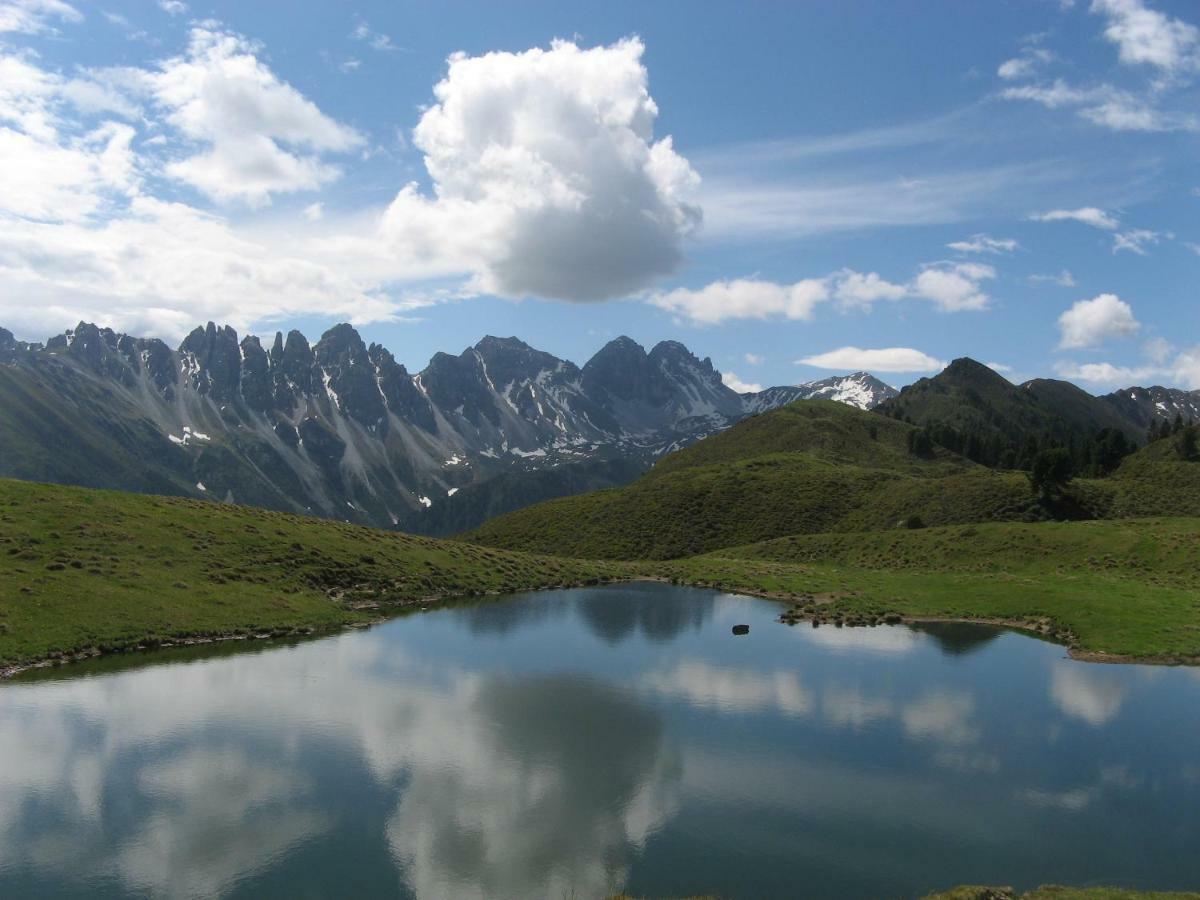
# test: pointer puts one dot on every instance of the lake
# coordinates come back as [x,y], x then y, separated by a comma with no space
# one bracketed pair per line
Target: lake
[583,742]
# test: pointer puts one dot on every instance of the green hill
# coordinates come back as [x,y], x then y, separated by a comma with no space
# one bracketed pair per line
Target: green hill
[1127,588]
[813,466]
[88,570]
[819,466]
[974,410]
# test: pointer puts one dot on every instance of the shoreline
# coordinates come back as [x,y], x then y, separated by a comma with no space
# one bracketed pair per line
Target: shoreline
[200,639]
[1028,628]
[1034,629]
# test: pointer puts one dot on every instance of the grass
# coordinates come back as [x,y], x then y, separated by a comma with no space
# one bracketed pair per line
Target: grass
[1055,892]
[83,571]
[1116,588]
[821,467]
[814,466]
[86,571]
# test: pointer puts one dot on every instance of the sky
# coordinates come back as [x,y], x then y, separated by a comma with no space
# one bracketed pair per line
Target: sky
[794,190]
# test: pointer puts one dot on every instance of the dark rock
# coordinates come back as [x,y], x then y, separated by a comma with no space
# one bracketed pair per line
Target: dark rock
[741,629]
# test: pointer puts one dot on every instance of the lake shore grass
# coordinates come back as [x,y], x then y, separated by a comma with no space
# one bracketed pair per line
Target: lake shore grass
[1116,591]
[86,572]
[1055,892]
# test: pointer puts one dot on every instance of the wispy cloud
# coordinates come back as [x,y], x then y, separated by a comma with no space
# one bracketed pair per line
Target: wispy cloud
[373,39]
[1136,240]
[1062,278]
[984,243]
[1087,215]
[884,359]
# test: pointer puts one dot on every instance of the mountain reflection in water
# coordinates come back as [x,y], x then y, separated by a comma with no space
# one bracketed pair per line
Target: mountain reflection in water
[584,742]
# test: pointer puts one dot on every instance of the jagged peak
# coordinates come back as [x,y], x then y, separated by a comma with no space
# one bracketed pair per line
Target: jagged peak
[491,341]
[343,336]
[965,365]
[201,338]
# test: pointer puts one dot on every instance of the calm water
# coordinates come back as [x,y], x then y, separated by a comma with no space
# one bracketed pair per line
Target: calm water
[577,743]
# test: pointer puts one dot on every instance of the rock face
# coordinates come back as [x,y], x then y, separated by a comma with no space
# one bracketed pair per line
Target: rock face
[1144,406]
[859,389]
[341,429]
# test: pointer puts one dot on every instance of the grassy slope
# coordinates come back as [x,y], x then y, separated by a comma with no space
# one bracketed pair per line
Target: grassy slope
[1056,892]
[970,396]
[814,466]
[86,569]
[1128,588]
[83,569]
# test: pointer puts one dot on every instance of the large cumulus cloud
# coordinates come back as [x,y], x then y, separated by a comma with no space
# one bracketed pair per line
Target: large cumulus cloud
[546,175]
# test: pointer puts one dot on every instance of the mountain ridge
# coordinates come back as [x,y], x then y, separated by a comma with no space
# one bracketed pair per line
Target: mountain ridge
[340,428]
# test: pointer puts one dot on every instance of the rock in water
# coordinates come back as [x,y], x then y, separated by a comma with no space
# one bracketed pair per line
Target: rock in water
[741,629]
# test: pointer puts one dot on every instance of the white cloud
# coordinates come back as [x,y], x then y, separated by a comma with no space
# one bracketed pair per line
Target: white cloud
[173,7]
[951,287]
[755,359]
[1157,350]
[1148,37]
[1181,371]
[854,290]
[1105,373]
[731,380]
[1135,240]
[1089,323]
[35,16]
[362,32]
[1113,108]
[1025,65]
[1185,370]
[984,243]
[954,287]
[162,267]
[546,181]
[262,135]
[51,169]
[547,175]
[1063,279]
[745,299]
[887,359]
[999,367]
[1088,215]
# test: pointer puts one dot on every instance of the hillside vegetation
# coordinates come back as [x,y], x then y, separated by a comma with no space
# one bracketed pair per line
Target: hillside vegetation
[816,467]
[1124,588]
[813,466]
[86,570]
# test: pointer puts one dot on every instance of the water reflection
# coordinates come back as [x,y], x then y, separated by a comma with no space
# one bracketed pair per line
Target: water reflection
[957,638]
[643,608]
[535,748]
[570,778]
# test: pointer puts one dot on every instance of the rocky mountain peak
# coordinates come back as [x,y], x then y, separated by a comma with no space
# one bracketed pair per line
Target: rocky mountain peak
[213,361]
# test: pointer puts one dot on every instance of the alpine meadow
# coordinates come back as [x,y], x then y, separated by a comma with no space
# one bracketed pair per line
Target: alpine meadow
[569,450]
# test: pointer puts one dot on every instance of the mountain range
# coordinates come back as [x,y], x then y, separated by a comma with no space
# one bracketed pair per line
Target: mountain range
[341,429]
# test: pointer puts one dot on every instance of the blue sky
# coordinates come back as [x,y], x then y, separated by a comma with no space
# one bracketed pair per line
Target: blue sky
[792,189]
